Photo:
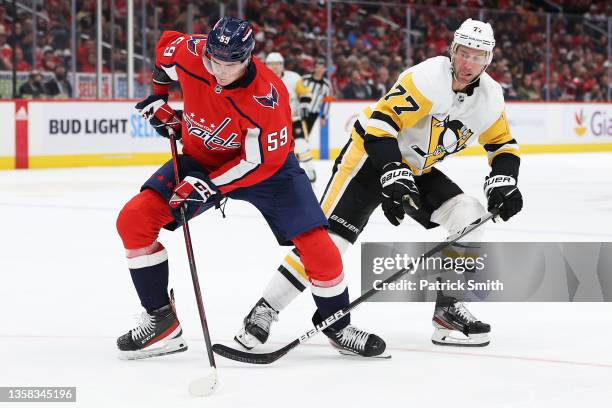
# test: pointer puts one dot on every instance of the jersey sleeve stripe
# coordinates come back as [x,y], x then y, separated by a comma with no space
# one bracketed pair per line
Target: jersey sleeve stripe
[252,146]
[511,149]
[359,129]
[378,116]
[160,77]
[491,147]
[245,166]
[170,70]
[261,153]
[254,156]
[241,170]
[380,129]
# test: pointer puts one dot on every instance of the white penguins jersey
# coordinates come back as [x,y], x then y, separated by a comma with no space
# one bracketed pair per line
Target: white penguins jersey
[298,92]
[431,121]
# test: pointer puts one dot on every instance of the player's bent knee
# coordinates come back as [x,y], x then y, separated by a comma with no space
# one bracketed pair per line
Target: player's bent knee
[319,255]
[125,217]
[458,212]
[141,219]
[341,243]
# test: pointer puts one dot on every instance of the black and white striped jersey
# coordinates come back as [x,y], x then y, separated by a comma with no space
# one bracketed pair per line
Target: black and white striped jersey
[319,91]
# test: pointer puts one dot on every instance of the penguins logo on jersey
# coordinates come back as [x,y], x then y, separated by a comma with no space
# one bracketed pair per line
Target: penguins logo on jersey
[270,100]
[446,137]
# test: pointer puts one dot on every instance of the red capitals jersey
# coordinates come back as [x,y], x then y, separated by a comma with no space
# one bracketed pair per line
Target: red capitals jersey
[240,133]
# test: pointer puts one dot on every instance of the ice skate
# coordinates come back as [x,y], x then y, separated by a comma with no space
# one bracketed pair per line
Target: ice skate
[256,325]
[157,334]
[456,326]
[355,342]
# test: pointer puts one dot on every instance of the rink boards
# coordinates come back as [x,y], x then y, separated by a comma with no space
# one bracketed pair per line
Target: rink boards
[46,134]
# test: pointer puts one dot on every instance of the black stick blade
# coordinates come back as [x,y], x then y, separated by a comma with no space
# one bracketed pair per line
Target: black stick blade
[253,358]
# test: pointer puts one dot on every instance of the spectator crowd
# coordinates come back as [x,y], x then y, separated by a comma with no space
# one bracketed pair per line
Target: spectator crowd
[370,43]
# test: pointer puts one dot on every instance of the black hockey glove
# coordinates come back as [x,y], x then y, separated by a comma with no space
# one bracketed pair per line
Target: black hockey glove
[502,193]
[397,188]
[160,115]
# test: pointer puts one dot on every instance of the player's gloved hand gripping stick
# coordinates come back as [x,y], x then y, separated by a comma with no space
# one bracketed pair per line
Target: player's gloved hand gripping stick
[502,192]
[398,187]
[160,115]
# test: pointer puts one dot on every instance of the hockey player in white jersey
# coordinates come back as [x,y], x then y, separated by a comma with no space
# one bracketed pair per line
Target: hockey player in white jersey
[300,104]
[434,110]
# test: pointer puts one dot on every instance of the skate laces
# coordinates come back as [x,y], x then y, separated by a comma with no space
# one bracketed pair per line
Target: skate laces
[145,326]
[352,337]
[264,316]
[463,311]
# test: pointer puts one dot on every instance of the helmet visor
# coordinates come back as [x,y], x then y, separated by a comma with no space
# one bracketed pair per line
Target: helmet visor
[463,53]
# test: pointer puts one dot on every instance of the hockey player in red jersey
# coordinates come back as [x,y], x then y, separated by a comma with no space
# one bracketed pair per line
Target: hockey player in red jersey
[237,143]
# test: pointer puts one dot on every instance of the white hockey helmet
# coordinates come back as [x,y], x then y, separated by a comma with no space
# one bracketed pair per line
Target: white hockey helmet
[476,35]
[274,57]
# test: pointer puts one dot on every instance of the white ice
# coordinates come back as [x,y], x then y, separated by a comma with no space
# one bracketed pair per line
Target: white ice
[66,295]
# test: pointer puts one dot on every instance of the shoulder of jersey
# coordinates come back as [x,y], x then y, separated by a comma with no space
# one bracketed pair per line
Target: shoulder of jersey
[268,91]
[491,88]
[432,77]
[187,51]
[266,77]
[492,95]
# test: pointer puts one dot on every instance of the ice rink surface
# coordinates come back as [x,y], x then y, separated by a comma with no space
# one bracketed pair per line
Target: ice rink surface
[66,294]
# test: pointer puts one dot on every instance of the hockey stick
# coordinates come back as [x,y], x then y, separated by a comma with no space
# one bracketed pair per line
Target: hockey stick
[204,385]
[268,358]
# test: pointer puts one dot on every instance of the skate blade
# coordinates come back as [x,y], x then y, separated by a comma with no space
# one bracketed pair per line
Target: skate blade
[445,337]
[384,355]
[246,340]
[172,346]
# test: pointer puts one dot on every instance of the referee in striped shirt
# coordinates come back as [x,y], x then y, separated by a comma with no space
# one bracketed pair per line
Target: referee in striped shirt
[320,92]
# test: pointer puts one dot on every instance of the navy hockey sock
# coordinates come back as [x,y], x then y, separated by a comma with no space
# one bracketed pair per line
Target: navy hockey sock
[151,284]
[327,306]
[149,270]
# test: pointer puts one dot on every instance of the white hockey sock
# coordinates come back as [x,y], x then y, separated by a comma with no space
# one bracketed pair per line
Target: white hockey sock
[280,292]
[290,279]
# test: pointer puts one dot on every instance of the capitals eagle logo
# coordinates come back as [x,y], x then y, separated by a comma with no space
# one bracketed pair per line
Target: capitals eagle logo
[270,100]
